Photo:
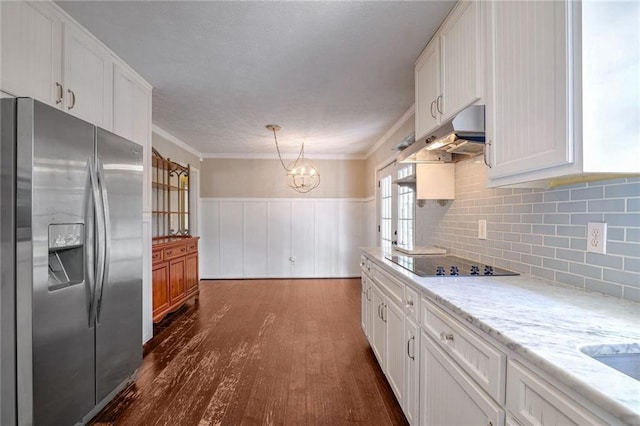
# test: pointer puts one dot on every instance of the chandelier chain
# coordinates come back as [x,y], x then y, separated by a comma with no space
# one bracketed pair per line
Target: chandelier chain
[280,155]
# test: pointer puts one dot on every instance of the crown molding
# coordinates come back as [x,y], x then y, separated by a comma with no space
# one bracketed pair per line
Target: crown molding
[168,136]
[401,121]
[255,156]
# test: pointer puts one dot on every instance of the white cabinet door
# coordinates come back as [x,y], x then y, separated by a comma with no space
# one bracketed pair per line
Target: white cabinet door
[412,371]
[535,402]
[378,326]
[303,244]
[395,349]
[132,118]
[230,232]
[529,113]
[87,73]
[448,396]
[363,304]
[31,51]
[462,50]
[279,238]
[255,239]
[427,81]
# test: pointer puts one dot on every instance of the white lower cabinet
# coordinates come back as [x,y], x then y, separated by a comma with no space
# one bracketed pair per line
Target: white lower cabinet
[533,401]
[378,326]
[448,396]
[395,349]
[365,306]
[411,401]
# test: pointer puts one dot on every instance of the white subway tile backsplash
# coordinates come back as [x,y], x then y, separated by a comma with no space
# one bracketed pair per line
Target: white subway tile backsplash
[542,232]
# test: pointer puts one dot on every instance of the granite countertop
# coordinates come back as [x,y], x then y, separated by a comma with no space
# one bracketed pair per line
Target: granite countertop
[545,324]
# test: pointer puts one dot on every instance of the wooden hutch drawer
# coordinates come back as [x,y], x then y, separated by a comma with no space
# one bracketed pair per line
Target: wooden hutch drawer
[192,246]
[175,251]
[156,256]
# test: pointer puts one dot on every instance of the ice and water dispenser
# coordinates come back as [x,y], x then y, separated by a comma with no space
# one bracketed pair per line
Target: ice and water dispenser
[66,254]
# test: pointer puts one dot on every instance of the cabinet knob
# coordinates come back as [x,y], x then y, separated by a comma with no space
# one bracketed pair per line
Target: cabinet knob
[409,303]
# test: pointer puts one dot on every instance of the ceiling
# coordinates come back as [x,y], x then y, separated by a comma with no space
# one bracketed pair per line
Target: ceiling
[336,75]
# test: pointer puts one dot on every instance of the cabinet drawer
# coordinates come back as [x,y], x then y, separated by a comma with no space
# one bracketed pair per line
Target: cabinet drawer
[156,256]
[411,303]
[484,363]
[532,400]
[394,287]
[174,251]
[192,246]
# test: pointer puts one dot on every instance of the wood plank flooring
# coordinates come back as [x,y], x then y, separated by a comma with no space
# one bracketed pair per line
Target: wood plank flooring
[260,352]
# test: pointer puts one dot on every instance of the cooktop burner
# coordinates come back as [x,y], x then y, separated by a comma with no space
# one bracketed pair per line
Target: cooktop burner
[431,266]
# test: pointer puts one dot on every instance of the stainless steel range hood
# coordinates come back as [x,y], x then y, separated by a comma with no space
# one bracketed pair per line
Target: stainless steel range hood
[460,137]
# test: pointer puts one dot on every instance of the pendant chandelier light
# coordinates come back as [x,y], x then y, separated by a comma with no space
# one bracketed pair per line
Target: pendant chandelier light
[302,174]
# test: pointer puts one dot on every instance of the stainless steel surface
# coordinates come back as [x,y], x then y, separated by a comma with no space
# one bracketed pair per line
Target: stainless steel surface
[467,126]
[75,342]
[8,412]
[622,357]
[119,327]
[62,339]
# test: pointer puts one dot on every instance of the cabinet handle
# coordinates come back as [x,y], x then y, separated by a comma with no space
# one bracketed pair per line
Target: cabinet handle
[438,103]
[433,114]
[73,99]
[384,313]
[484,153]
[408,303]
[368,299]
[408,342]
[446,336]
[60,93]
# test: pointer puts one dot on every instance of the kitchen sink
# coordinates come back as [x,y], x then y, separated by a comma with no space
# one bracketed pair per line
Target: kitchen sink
[623,357]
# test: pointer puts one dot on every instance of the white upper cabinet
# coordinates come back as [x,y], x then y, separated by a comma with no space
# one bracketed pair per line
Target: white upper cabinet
[554,108]
[449,74]
[87,69]
[529,102]
[462,53]
[427,88]
[31,51]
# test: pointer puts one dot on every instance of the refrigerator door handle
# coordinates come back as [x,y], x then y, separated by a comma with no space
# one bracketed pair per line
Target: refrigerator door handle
[100,244]
[107,235]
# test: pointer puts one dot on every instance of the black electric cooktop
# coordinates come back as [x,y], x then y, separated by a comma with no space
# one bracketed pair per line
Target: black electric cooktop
[431,266]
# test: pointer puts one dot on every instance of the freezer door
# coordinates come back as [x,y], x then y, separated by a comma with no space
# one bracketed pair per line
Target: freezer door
[55,342]
[119,326]
[7,263]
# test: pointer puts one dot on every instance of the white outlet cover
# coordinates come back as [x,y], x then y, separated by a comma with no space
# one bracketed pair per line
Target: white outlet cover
[482,229]
[597,237]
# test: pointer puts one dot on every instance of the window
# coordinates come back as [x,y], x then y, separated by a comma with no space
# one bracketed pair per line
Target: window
[406,206]
[386,205]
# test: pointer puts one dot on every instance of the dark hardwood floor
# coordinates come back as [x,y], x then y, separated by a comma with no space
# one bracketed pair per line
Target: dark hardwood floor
[260,352]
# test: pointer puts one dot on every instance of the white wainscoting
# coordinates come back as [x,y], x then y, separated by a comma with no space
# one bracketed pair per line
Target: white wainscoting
[282,238]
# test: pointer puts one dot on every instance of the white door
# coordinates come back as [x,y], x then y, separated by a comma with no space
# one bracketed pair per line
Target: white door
[448,396]
[387,206]
[412,370]
[528,103]
[395,349]
[378,327]
[462,65]
[427,81]
[31,51]
[87,71]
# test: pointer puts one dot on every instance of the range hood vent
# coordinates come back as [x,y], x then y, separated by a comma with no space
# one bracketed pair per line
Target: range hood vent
[461,137]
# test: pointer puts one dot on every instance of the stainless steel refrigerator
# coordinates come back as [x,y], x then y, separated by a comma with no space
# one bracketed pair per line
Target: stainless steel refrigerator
[71,265]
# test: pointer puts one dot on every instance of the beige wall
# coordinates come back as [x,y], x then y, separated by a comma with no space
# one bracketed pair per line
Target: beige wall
[175,153]
[266,179]
[383,153]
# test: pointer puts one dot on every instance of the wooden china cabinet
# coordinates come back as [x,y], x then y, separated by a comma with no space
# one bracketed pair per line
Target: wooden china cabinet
[175,251]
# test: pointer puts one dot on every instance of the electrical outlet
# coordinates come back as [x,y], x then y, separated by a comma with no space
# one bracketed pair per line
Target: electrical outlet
[482,229]
[597,237]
